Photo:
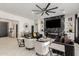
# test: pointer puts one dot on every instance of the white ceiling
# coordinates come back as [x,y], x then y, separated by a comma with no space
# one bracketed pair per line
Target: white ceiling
[25,9]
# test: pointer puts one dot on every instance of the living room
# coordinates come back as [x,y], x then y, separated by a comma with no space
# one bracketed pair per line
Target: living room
[38,29]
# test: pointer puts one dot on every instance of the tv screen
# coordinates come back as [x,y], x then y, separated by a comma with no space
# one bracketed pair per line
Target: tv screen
[55,23]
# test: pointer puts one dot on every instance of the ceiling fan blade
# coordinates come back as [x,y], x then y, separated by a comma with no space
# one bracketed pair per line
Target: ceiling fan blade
[52,8]
[46,13]
[39,7]
[37,13]
[36,10]
[47,6]
[51,12]
[42,13]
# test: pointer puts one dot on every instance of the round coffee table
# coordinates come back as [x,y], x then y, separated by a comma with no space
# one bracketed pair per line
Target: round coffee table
[42,47]
[29,43]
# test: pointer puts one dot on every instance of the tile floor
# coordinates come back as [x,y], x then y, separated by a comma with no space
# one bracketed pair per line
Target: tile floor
[9,47]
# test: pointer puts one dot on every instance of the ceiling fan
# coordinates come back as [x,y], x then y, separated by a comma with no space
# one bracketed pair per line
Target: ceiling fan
[44,10]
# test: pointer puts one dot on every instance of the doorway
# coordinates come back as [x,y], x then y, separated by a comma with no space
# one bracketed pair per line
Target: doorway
[3,29]
[77,29]
[16,30]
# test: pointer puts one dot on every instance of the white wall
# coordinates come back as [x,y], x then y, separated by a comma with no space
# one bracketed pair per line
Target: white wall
[67,26]
[41,26]
[21,20]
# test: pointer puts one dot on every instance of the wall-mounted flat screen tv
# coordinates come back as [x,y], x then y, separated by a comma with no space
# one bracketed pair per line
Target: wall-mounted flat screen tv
[54,23]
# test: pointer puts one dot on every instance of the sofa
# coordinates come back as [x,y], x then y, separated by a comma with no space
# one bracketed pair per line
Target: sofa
[62,49]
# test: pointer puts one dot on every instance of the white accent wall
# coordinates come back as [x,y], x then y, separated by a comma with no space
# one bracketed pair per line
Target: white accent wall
[41,26]
[67,25]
